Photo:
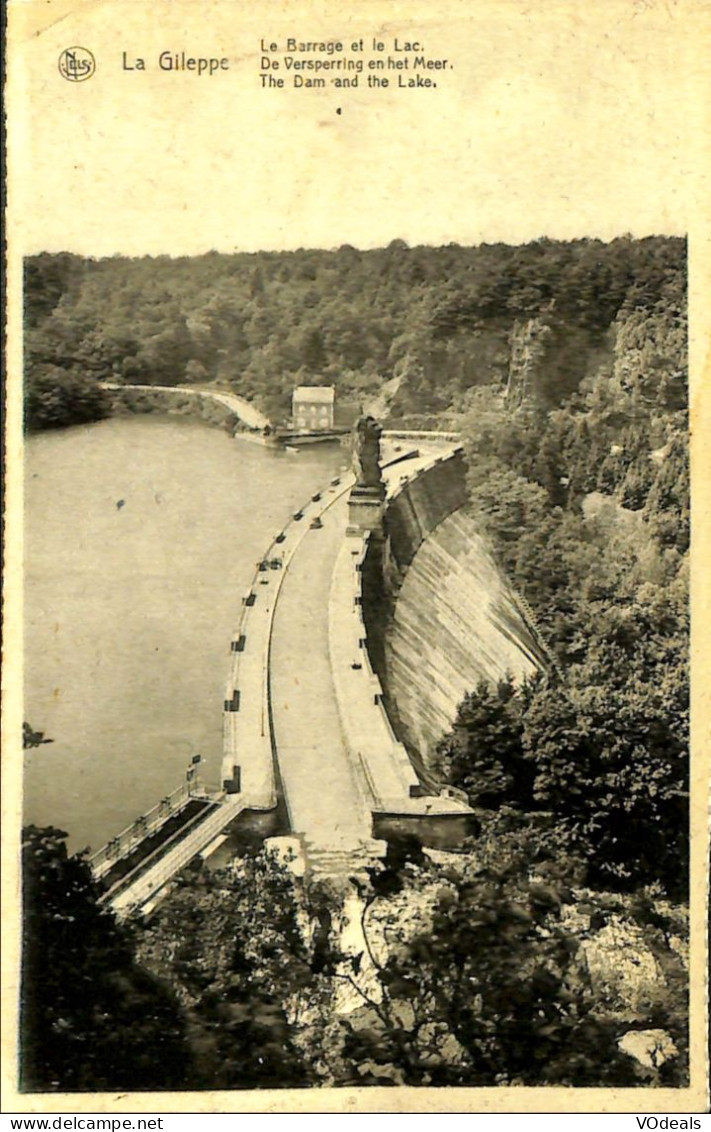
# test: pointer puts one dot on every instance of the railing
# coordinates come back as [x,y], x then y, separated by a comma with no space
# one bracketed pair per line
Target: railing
[412,434]
[148,884]
[126,841]
[237,406]
[158,853]
[531,620]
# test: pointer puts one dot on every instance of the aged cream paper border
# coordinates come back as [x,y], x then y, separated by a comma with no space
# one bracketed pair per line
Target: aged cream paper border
[42,216]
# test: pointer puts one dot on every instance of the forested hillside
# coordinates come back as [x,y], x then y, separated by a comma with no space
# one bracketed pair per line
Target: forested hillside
[587,505]
[444,319]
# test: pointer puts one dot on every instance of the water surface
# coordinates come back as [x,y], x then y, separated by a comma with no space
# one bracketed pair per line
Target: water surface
[141,536]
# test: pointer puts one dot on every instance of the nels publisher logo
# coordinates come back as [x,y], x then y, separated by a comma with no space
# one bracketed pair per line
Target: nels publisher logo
[76,64]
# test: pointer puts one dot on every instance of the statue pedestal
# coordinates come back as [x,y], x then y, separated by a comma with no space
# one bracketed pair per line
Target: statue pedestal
[365,509]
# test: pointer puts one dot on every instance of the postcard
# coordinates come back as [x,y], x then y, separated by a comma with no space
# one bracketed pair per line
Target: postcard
[355,722]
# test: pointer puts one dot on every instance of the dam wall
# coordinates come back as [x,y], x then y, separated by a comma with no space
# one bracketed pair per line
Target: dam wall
[450,617]
[384,773]
[418,504]
[386,780]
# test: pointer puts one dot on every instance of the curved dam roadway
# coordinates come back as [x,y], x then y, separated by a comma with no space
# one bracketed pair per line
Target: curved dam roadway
[250,731]
[322,786]
[319,785]
[283,679]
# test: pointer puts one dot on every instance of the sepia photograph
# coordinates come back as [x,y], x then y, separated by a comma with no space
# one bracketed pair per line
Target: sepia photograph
[355,555]
[423,512]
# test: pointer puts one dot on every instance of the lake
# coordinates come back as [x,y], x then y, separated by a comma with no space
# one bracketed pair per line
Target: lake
[141,536]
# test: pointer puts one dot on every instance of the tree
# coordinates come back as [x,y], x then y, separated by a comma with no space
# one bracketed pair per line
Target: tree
[483,988]
[46,279]
[483,753]
[91,1018]
[611,762]
[57,398]
[312,353]
[234,946]
[195,371]
[508,504]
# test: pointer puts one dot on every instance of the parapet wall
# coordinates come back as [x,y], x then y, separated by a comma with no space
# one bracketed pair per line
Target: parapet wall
[386,779]
[250,763]
[418,504]
[217,407]
[383,770]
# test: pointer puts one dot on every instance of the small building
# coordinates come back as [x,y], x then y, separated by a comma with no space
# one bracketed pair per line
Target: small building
[312,407]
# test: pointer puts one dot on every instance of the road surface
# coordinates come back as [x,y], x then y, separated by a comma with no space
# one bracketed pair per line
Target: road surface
[322,795]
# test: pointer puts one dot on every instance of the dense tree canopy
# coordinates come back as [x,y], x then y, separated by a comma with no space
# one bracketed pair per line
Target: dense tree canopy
[57,397]
[587,507]
[485,987]
[468,974]
[91,1017]
[445,318]
[233,946]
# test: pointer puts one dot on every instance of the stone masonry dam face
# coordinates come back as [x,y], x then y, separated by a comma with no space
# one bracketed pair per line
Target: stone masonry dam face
[454,619]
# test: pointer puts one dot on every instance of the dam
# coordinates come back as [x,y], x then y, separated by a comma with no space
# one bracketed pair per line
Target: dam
[327,717]
[453,619]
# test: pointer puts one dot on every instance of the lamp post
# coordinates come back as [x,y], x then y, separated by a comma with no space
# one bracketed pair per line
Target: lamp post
[191,775]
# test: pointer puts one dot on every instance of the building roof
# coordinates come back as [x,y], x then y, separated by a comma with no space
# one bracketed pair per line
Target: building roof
[323,394]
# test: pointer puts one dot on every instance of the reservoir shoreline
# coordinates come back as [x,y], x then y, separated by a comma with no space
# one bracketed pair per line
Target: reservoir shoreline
[142,533]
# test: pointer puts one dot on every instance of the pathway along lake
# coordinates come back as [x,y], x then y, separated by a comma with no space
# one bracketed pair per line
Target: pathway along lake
[141,536]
